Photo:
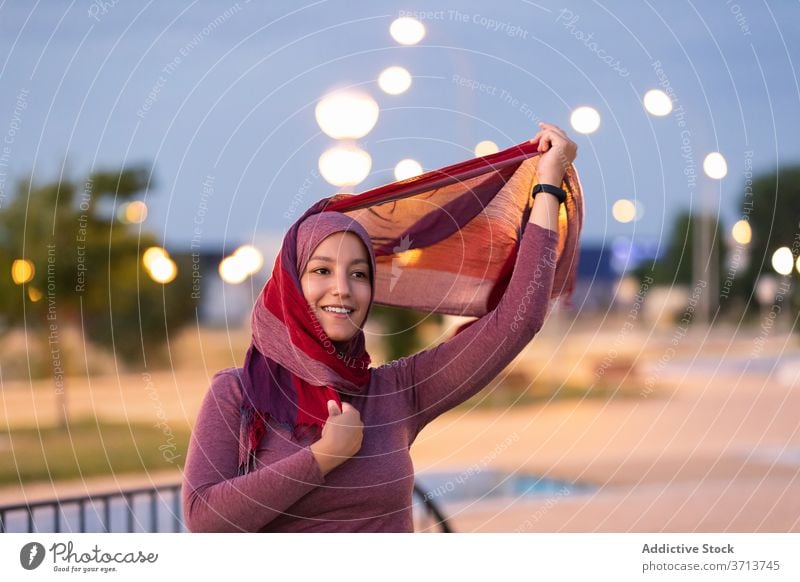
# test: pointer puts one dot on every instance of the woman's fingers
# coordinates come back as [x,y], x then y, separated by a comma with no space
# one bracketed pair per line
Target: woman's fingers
[554,133]
[556,148]
[549,139]
[554,128]
[545,142]
[548,127]
[551,136]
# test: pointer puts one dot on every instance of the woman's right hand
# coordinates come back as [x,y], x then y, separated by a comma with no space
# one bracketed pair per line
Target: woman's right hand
[341,437]
[557,152]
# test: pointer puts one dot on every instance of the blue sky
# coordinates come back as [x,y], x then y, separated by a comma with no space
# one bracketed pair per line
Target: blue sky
[238,105]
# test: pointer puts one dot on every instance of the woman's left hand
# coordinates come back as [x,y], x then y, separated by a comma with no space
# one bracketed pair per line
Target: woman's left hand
[558,151]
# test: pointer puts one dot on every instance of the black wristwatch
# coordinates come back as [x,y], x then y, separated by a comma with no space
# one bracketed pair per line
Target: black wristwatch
[550,189]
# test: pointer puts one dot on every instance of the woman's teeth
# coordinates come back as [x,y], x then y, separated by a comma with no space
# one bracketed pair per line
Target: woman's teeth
[337,310]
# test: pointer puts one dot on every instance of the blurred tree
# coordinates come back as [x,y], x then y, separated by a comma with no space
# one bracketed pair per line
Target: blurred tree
[87,271]
[772,209]
[675,265]
[402,329]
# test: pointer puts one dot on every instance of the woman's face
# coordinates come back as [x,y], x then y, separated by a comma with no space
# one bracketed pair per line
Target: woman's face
[337,276]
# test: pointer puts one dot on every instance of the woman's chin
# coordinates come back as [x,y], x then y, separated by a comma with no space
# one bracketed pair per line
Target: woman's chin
[340,331]
[340,335]
[341,338]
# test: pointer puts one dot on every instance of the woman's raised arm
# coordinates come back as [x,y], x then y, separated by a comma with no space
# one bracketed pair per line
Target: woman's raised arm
[447,375]
[452,372]
[558,152]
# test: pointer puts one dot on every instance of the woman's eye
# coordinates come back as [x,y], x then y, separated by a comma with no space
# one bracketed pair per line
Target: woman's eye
[326,271]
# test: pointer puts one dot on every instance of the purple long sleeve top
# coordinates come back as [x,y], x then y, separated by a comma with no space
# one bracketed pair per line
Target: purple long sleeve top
[370,492]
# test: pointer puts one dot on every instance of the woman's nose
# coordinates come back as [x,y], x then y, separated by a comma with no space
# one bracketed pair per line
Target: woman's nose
[342,286]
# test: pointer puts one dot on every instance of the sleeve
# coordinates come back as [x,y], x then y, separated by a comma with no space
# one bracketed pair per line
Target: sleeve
[215,497]
[450,373]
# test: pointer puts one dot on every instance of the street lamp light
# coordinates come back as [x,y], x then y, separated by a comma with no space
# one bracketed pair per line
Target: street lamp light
[22,271]
[657,103]
[407,30]
[585,119]
[782,261]
[159,266]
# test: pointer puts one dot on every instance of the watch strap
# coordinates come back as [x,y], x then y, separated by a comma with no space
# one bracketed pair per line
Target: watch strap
[550,189]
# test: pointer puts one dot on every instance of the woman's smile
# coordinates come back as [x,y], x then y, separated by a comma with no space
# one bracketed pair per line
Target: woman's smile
[339,313]
[337,285]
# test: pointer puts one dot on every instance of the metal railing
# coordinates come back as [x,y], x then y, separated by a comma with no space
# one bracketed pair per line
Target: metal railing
[103,513]
[432,510]
[104,510]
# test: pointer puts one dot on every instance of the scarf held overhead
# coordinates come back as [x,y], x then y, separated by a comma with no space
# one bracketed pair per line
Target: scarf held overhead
[453,232]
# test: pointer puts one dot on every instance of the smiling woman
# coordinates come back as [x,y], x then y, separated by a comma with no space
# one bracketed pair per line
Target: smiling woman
[306,436]
[337,285]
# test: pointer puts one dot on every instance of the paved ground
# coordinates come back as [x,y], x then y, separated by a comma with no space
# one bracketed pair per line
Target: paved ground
[714,445]
[721,462]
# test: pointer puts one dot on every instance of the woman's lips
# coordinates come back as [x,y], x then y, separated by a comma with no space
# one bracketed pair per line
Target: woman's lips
[337,315]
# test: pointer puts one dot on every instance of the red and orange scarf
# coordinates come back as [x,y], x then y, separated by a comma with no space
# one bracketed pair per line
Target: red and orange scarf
[453,232]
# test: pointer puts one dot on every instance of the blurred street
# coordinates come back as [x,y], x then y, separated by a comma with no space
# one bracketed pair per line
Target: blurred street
[713,445]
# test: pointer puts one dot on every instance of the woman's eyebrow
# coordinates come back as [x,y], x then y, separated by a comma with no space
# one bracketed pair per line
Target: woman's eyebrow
[330,260]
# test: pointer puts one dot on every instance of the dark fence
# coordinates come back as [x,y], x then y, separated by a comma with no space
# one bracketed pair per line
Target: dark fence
[155,509]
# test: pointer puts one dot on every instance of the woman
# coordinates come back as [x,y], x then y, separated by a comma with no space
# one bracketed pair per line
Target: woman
[306,437]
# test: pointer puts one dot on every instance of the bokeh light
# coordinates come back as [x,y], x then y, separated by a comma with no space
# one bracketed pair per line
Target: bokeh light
[159,266]
[624,210]
[407,30]
[152,254]
[134,212]
[233,270]
[742,233]
[485,148]
[407,168]
[347,114]
[162,269]
[22,271]
[394,80]
[250,258]
[783,261]
[585,120]
[34,294]
[658,103]
[715,166]
[345,165]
